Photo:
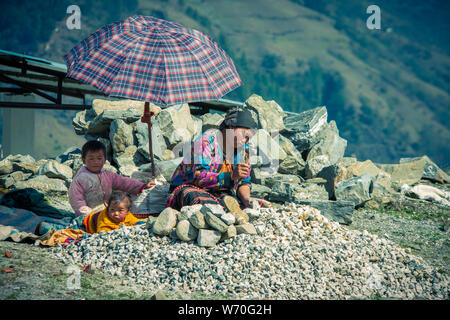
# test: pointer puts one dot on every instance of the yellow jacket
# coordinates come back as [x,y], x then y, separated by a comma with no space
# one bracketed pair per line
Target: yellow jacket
[99,221]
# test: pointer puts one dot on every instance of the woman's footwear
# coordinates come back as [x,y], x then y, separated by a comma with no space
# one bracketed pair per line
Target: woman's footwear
[235,209]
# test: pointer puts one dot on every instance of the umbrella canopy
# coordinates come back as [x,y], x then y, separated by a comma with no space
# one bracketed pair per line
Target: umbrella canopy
[153,60]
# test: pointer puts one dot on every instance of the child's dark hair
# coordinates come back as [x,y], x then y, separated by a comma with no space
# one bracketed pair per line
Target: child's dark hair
[92,146]
[119,197]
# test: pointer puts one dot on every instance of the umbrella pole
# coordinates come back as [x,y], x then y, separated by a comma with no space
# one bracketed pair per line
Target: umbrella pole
[146,118]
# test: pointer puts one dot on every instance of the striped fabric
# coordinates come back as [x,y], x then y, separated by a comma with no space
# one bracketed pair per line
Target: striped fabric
[149,59]
[188,195]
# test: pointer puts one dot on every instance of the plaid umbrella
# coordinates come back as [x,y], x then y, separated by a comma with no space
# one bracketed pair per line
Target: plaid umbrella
[153,60]
[149,59]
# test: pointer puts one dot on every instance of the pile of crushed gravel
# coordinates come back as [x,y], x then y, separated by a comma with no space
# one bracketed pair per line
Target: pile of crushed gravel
[297,254]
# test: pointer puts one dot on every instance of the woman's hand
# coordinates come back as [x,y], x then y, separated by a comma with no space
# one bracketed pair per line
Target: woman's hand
[240,171]
[150,184]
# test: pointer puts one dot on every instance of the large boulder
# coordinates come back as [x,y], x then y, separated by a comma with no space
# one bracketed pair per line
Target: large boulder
[313,189]
[291,165]
[329,144]
[6,166]
[213,221]
[26,167]
[70,154]
[382,194]
[218,212]
[166,221]
[9,180]
[246,228]
[348,168]
[198,124]
[329,174]
[356,169]
[129,156]
[346,161]
[18,162]
[270,113]
[211,121]
[208,238]
[96,120]
[158,142]
[128,161]
[80,123]
[197,219]
[230,233]
[271,180]
[382,183]
[100,105]
[430,171]
[315,165]
[340,211]
[177,125]
[120,135]
[285,191]
[24,163]
[291,152]
[186,231]
[44,184]
[357,189]
[21,158]
[54,169]
[257,175]
[269,153]
[290,149]
[411,170]
[100,124]
[187,211]
[302,128]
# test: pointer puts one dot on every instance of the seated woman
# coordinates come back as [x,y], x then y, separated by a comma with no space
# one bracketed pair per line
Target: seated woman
[217,171]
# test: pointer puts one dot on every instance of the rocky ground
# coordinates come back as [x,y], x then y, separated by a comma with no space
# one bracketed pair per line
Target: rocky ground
[425,237]
[387,254]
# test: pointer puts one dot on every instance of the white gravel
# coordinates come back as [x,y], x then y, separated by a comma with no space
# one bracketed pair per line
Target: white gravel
[297,254]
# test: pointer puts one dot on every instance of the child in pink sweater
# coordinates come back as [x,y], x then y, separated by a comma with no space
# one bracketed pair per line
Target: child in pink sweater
[92,185]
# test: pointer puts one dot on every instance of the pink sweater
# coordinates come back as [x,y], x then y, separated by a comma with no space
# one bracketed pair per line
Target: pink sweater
[89,190]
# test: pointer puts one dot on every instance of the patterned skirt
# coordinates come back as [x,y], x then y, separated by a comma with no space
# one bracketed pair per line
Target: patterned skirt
[187,195]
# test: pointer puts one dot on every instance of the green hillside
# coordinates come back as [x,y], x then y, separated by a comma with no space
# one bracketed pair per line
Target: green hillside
[387,89]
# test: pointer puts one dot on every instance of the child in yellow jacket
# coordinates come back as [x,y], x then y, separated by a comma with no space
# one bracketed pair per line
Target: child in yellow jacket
[116,213]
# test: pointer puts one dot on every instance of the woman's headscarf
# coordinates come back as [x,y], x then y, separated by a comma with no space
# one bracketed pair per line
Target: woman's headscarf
[245,117]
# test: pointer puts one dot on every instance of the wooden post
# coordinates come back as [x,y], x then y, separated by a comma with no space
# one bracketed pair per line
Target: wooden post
[146,118]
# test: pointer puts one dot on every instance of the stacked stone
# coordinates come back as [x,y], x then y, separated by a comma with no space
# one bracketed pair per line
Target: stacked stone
[205,224]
